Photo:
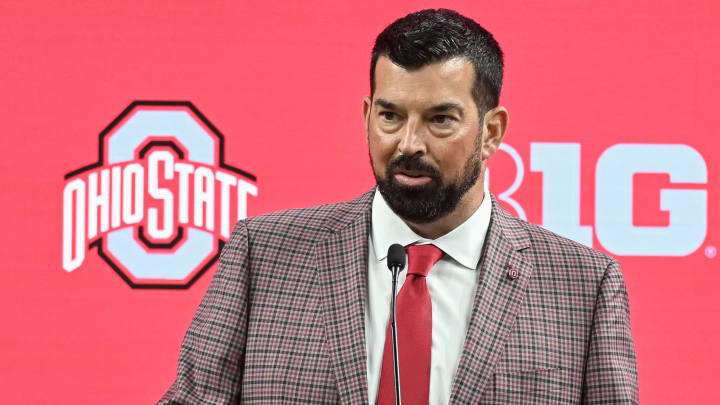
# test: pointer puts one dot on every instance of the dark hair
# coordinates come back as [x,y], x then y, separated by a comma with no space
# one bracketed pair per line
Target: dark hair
[429,36]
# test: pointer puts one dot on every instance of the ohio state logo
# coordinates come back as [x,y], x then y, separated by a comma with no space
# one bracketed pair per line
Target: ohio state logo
[160,201]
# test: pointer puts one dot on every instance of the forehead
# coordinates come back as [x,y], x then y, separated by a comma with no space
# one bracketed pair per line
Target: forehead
[447,81]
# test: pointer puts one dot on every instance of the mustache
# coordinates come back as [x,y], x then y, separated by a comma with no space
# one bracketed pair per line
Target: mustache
[412,162]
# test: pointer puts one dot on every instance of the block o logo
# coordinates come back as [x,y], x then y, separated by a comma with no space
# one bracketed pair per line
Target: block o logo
[160,201]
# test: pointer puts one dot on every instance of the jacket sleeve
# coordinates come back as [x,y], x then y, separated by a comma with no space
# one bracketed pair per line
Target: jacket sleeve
[610,368]
[210,366]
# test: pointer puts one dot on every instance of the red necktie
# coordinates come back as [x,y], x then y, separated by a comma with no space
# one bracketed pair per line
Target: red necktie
[414,322]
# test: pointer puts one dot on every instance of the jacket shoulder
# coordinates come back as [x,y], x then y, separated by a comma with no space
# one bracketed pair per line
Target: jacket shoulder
[554,242]
[312,222]
[560,258]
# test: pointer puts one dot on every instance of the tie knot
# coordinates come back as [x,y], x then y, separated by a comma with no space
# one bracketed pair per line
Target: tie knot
[421,258]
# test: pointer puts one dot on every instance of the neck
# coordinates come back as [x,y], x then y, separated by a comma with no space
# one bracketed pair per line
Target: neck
[466,207]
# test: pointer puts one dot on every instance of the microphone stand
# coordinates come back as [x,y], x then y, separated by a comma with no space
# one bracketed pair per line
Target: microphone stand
[396,263]
[396,364]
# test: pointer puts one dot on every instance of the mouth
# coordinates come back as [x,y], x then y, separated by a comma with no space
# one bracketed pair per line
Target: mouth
[411,177]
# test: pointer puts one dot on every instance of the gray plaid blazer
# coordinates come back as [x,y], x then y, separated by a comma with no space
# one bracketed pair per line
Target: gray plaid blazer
[282,321]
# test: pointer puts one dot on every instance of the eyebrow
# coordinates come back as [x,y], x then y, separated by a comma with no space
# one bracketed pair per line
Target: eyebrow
[447,107]
[386,104]
[436,108]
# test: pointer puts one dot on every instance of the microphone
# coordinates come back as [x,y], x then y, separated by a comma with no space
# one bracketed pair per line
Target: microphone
[396,257]
[396,264]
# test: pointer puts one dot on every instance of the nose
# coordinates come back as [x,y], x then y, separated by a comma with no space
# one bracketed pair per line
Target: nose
[411,139]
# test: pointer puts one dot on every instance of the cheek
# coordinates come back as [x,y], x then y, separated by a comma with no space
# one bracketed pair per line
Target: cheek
[452,157]
[381,150]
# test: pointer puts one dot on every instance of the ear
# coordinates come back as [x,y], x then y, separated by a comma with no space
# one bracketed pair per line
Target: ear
[367,107]
[494,126]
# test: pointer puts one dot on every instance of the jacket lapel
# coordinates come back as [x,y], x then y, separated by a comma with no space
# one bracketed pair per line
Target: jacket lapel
[342,273]
[497,300]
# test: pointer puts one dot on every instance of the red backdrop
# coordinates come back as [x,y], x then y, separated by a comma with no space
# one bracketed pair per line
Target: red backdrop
[611,141]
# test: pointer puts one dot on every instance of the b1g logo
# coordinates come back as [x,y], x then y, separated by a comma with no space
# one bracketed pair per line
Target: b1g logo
[683,202]
[160,201]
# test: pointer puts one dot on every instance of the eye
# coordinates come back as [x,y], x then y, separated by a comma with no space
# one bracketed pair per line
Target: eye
[441,119]
[388,115]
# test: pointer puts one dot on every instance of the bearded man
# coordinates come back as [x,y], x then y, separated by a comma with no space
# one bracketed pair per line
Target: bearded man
[491,309]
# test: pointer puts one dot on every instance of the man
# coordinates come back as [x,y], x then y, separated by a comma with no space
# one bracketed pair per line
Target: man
[490,309]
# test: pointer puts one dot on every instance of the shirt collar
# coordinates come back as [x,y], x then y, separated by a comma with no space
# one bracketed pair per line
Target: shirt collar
[464,243]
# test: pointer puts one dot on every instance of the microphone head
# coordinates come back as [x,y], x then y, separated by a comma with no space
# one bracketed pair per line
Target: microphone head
[396,257]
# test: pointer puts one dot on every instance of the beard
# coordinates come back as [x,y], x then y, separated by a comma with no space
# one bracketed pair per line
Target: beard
[432,200]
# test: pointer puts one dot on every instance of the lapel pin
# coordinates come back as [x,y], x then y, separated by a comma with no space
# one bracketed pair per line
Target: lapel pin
[513,273]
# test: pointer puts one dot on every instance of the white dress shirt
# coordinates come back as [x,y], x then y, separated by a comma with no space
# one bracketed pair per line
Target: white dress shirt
[452,282]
